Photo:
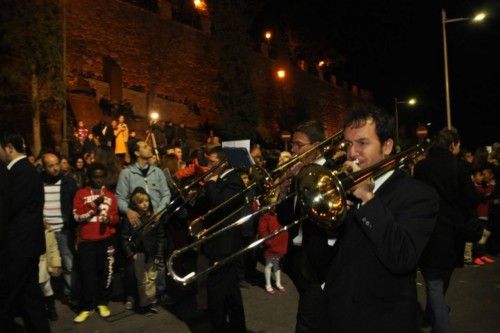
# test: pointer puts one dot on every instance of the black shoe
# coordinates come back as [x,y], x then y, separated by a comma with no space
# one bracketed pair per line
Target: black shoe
[166,300]
[51,308]
[149,310]
[244,284]
[153,308]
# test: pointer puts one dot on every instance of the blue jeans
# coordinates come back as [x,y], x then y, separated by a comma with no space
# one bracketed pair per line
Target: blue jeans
[437,311]
[64,244]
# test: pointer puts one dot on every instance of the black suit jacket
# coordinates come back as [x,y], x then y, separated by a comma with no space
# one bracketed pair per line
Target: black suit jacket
[457,202]
[371,280]
[25,236]
[4,196]
[306,264]
[216,192]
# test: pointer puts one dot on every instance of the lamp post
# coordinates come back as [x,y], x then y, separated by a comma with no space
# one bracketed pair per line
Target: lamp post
[281,75]
[478,18]
[411,101]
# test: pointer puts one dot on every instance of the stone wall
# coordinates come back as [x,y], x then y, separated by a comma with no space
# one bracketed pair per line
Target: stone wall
[169,67]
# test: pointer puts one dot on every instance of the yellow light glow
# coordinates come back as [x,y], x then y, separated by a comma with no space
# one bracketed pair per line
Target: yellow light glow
[268,35]
[200,5]
[281,73]
[479,17]
[321,63]
[412,101]
[154,115]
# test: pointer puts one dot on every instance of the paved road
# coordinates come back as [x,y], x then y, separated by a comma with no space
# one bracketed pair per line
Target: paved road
[474,297]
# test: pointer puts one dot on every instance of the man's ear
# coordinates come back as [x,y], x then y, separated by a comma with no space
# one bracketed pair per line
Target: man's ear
[387,147]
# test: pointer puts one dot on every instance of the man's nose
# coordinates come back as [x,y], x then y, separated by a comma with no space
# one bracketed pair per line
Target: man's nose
[352,153]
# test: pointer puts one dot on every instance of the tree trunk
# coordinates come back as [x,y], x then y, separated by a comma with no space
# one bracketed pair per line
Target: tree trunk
[35,107]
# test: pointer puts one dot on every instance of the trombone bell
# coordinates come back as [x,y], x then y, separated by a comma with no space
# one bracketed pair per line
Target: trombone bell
[322,195]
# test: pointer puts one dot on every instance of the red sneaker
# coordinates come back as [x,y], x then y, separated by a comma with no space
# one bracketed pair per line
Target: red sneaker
[478,262]
[270,290]
[487,260]
[281,289]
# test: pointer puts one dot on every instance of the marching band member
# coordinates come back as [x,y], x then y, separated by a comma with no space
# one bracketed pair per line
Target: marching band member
[370,286]
[225,305]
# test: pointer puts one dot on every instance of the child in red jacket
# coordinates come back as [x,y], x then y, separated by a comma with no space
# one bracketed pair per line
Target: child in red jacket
[96,211]
[276,248]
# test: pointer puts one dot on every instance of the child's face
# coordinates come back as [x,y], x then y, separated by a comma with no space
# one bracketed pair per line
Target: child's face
[487,175]
[143,205]
[97,178]
[478,177]
[245,179]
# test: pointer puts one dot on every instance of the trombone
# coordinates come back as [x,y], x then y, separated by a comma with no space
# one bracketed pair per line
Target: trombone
[184,194]
[264,181]
[320,192]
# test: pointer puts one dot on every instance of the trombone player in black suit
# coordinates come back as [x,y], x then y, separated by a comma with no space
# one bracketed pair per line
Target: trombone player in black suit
[370,286]
[224,295]
[309,246]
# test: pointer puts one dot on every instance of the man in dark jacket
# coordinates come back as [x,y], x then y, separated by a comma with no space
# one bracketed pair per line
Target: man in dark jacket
[371,283]
[4,195]
[309,246]
[457,200]
[24,243]
[224,295]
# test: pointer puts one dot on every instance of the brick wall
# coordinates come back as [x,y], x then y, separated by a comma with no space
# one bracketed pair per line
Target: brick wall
[178,62]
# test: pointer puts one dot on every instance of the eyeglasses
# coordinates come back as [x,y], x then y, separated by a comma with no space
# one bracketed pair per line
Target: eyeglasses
[299,144]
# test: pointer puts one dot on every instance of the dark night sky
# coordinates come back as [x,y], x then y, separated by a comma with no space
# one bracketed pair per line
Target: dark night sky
[394,48]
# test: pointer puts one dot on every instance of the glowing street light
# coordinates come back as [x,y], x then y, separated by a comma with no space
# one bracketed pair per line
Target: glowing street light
[281,73]
[200,5]
[478,18]
[268,35]
[411,101]
[154,116]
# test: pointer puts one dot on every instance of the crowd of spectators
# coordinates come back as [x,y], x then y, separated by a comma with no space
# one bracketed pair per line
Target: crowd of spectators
[93,205]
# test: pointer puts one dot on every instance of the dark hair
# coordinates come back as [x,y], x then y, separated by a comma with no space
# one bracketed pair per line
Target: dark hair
[446,137]
[94,167]
[221,155]
[15,139]
[313,129]
[135,147]
[360,114]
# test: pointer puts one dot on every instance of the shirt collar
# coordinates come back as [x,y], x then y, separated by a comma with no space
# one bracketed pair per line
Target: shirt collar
[381,180]
[14,161]
[225,173]
[320,161]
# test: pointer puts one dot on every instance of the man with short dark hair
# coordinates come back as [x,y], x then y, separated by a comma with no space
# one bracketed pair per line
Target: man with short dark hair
[140,173]
[59,191]
[225,305]
[309,249]
[457,201]
[4,195]
[24,241]
[371,285]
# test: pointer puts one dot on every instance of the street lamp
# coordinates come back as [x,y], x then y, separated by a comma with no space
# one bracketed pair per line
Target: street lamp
[267,35]
[281,74]
[478,18]
[411,102]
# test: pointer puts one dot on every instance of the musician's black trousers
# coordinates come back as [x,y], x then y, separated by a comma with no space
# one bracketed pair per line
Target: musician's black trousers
[96,269]
[311,312]
[224,300]
[20,292]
